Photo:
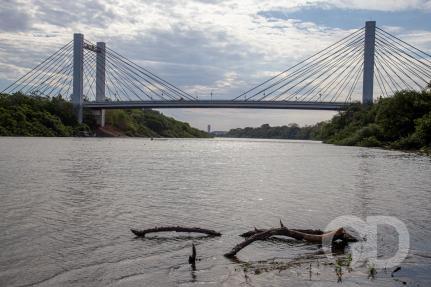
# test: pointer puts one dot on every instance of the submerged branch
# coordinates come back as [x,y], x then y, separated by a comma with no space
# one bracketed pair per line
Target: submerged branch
[298,235]
[142,233]
[255,231]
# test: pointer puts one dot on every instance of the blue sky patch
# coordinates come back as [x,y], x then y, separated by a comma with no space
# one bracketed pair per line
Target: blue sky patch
[351,19]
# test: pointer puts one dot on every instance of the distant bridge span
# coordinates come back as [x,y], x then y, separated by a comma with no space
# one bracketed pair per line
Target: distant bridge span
[220,104]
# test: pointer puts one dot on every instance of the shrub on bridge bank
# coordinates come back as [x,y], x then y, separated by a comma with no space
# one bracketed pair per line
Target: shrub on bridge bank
[149,123]
[22,115]
[399,122]
[291,131]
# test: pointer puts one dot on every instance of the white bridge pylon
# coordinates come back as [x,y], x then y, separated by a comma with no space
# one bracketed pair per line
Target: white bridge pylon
[78,76]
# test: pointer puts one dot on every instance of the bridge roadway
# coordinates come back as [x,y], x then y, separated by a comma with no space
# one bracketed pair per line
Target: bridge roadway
[216,104]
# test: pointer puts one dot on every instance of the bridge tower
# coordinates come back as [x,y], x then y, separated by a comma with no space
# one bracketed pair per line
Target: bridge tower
[78,76]
[100,80]
[368,77]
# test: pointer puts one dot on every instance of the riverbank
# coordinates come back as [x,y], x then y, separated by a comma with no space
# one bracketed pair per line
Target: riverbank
[401,122]
[22,115]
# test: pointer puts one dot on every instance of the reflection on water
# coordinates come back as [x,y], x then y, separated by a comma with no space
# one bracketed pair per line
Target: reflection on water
[66,206]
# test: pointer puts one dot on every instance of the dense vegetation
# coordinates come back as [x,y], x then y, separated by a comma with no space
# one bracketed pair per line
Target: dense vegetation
[22,115]
[149,123]
[291,131]
[399,122]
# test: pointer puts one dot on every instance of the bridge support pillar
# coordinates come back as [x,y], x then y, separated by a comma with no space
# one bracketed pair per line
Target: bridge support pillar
[100,80]
[78,71]
[368,78]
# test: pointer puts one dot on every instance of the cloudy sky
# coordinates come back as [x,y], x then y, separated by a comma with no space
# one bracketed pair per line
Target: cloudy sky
[204,46]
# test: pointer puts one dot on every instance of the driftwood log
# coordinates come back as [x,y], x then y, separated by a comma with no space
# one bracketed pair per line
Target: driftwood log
[256,231]
[283,231]
[345,236]
[192,258]
[142,233]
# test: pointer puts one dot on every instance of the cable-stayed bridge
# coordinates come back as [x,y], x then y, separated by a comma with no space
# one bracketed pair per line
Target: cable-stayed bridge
[368,62]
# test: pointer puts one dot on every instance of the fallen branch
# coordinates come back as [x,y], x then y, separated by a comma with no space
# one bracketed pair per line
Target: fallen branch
[283,231]
[346,237]
[256,231]
[192,259]
[142,233]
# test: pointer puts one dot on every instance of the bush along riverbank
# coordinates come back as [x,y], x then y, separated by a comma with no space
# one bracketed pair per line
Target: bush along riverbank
[400,122]
[22,115]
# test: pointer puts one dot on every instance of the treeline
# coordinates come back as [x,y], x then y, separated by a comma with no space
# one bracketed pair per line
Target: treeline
[291,131]
[399,122]
[149,123]
[22,115]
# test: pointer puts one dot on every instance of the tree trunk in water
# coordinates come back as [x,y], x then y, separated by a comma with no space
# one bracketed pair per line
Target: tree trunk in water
[142,233]
[283,231]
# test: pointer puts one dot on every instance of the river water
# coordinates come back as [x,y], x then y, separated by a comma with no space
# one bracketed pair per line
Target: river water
[67,206]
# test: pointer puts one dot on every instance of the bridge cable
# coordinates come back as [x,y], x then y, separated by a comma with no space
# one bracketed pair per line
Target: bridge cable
[38,77]
[349,97]
[330,68]
[134,79]
[394,63]
[388,75]
[66,70]
[39,65]
[50,73]
[338,54]
[382,90]
[115,60]
[344,82]
[340,58]
[156,83]
[406,44]
[151,75]
[400,53]
[108,80]
[390,65]
[300,63]
[128,84]
[383,78]
[323,90]
[379,76]
[314,64]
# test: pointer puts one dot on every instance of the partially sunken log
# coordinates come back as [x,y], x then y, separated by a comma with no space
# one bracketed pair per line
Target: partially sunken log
[192,258]
[142,233]
[256,231]
[283,231]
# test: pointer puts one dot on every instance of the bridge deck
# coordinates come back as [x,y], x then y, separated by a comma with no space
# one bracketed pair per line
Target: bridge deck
[216,104]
